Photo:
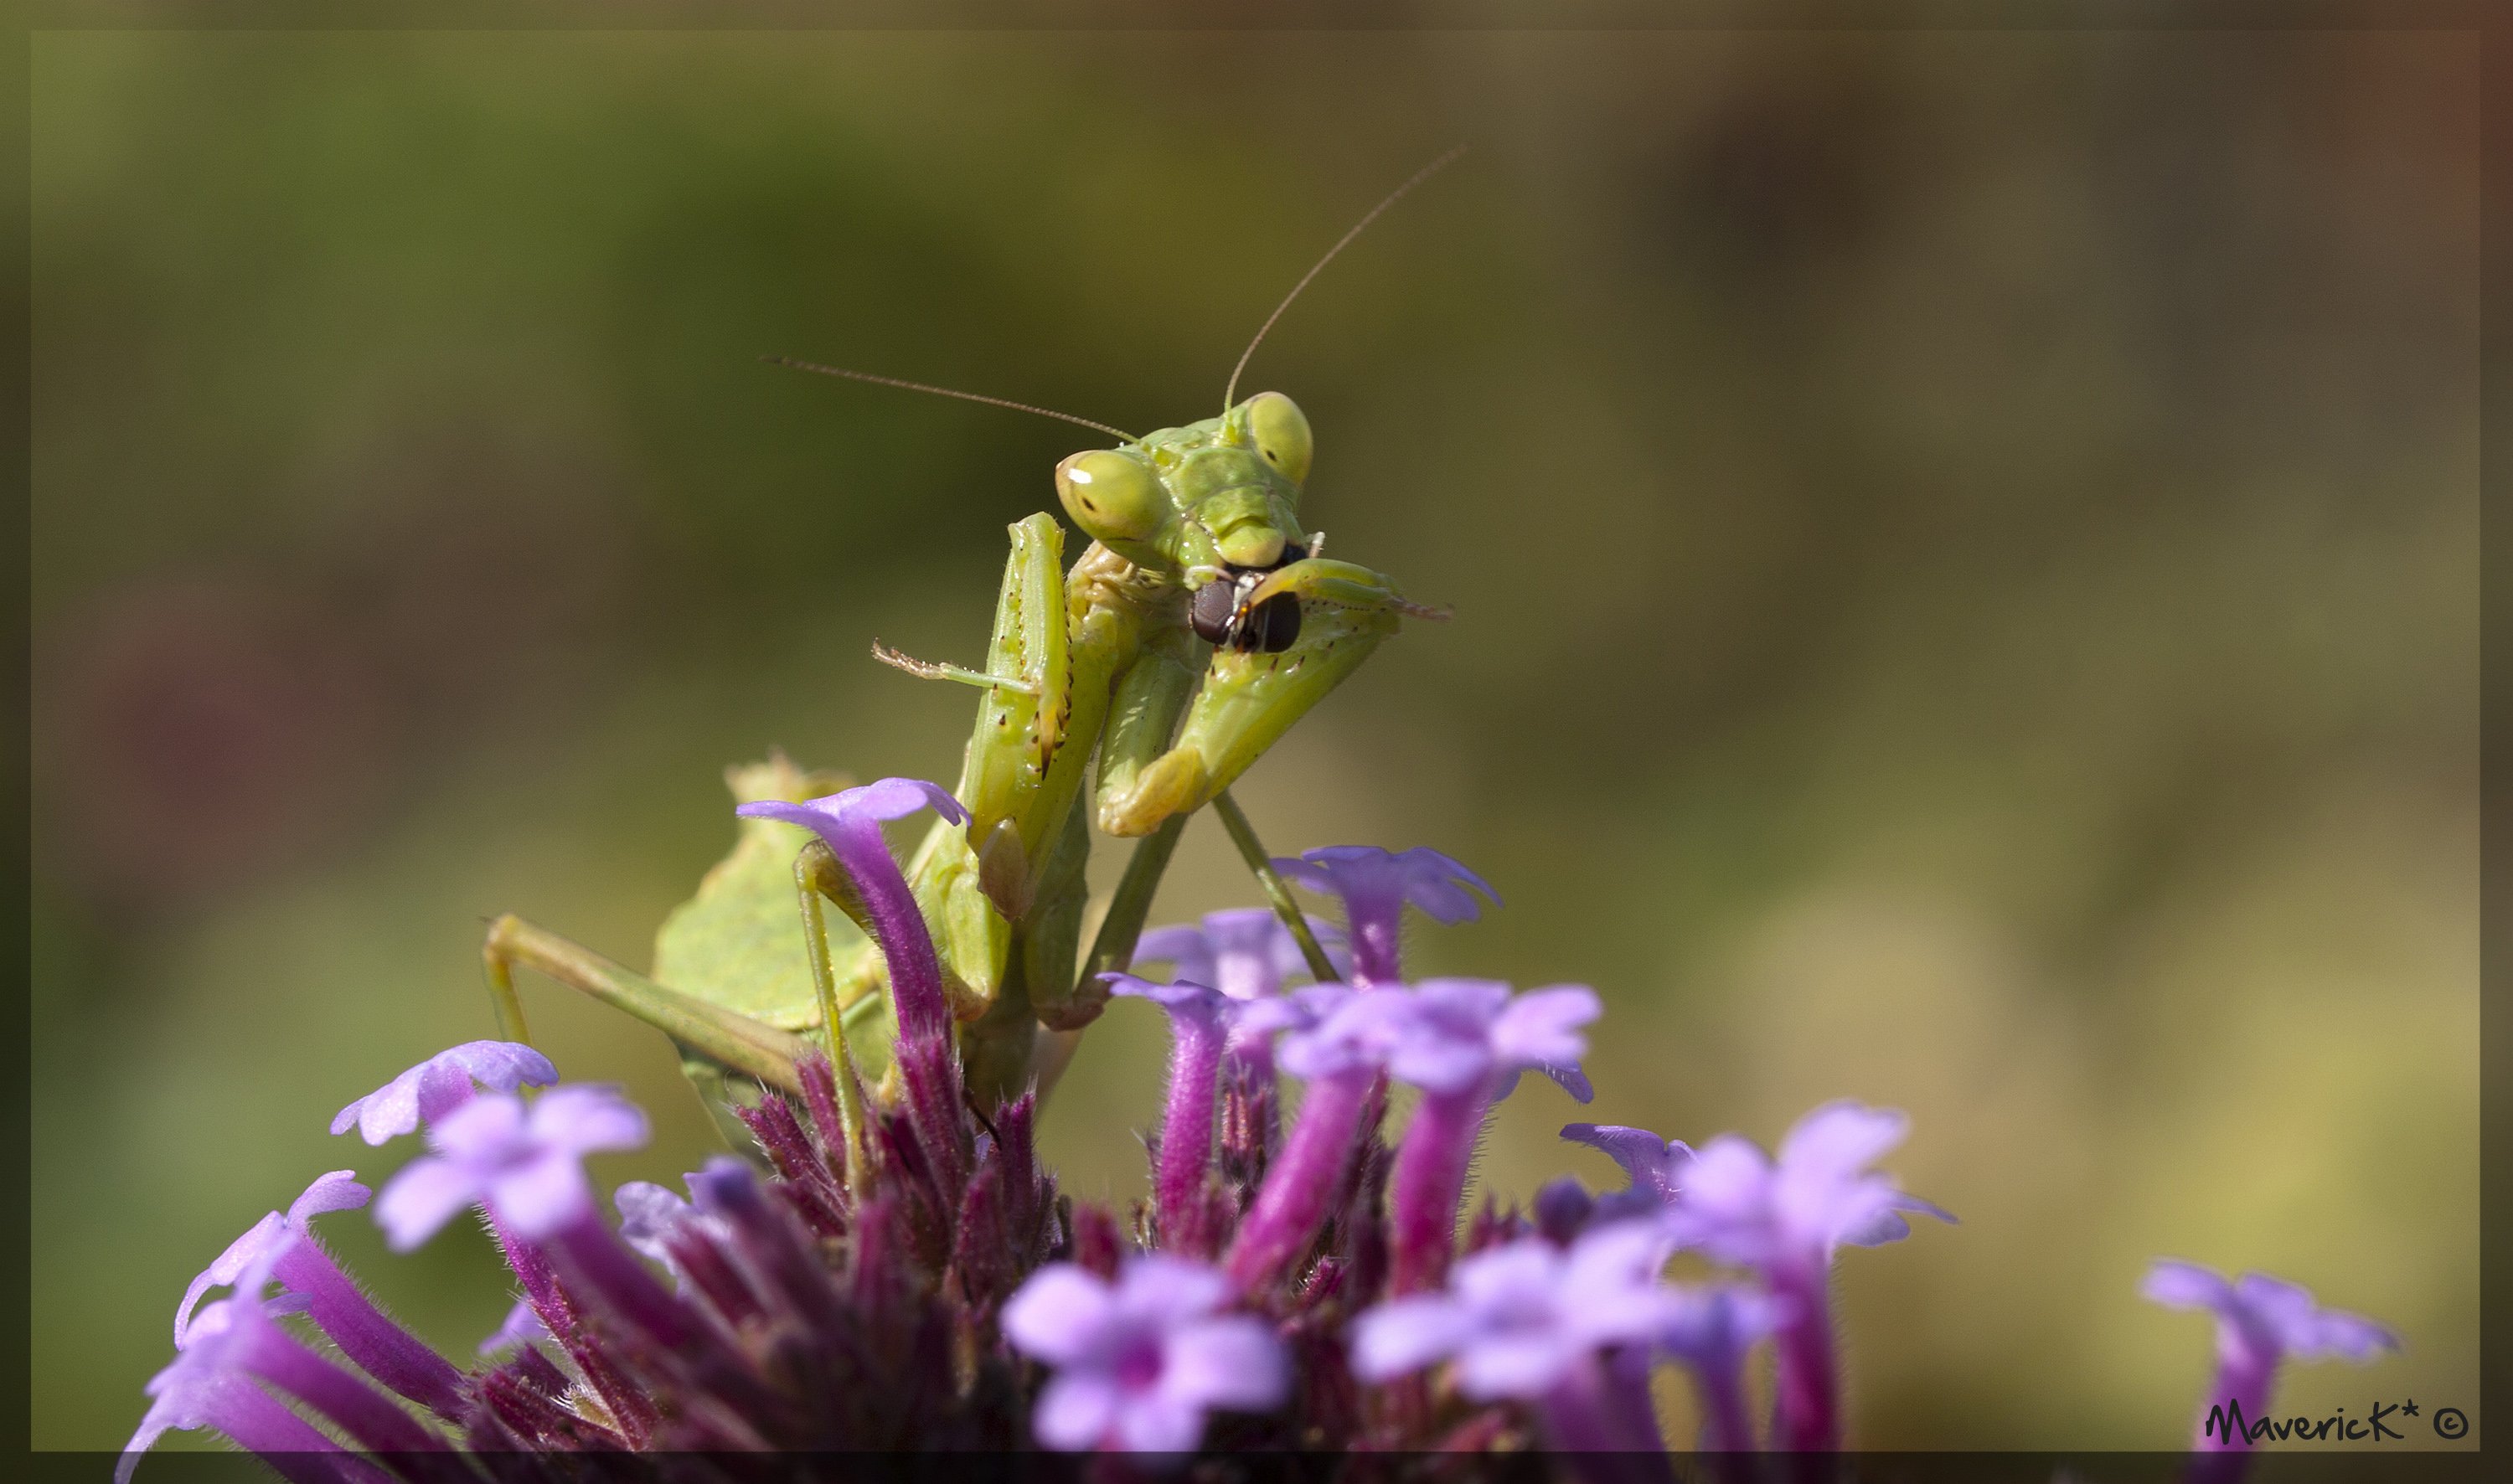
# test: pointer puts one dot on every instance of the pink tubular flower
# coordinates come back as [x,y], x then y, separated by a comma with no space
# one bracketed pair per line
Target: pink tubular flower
[2261,1322]
[1653,1167]
[285,1249]
[851,822]
[525,1167]
[1140,1362]
[1464,1042]
[1243,951]
[1710,1330]
[1784,1220]
[442,1083]
[1528,1321]
[1200,1022]
[1375,884]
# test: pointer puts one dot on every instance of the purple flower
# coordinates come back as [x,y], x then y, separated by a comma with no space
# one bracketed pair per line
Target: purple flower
[442,1083]
[1785,1220]
[286,1250]
[649,1215]
[1710,1329]
[1301,1018]
[1455,1035]
[231,1349]
[1653,1167]
[206,1386]
[1516,1319]
[1464,1042]
[1375,884]
[851,823]
[1243,951]
[2261,1321]
[522,1327]
[198,1390]
[1140,1362]
[270,1237]
[1329,1029]
[1199,1021]
[1338,1044]
[523,1166]
[1739,1206]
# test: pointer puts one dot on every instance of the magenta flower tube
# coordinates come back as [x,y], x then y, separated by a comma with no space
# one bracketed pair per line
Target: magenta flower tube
[851,823]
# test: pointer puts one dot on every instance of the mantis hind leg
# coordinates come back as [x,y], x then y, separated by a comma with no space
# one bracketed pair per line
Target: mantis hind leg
[720,1049]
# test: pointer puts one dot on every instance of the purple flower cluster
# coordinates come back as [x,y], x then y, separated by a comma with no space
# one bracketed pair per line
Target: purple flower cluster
[893,1269]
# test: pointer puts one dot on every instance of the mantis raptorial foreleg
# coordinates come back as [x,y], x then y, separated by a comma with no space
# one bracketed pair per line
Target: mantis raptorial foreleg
[1198,625]
[1251,697]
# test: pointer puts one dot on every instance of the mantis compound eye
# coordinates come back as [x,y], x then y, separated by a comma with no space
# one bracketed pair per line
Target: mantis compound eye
[1281,432]
[1111,495]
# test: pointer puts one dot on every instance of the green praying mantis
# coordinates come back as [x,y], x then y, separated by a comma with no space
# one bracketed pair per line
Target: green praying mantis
[1200,623]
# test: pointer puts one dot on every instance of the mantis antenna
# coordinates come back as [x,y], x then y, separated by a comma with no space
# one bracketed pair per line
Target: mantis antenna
[1341,242]
[1120,434]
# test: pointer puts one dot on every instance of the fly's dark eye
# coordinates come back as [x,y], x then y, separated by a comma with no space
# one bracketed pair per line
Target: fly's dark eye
[1274,625]
[1209,610]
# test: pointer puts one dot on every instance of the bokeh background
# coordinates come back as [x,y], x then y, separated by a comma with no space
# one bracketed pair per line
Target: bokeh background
[1964,549]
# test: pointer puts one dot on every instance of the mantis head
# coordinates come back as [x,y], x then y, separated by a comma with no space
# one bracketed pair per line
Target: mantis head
[1213,503]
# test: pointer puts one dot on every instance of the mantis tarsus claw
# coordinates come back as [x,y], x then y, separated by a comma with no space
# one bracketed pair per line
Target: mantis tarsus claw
[930,670]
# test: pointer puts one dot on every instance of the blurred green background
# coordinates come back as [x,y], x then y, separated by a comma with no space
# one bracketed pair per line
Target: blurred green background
[1964,549]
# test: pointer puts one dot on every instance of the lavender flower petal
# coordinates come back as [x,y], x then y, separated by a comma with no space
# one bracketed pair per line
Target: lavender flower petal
[1654,1165]
[1518,1318]
[2260,1322]
[525,1167]
[522,1327]
[1058,1315]
[1140,1362]
[1375,885]
[442,1083]
[1075,1412]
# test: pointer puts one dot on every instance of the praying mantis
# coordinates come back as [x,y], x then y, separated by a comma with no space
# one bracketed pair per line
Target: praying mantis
[1200,623]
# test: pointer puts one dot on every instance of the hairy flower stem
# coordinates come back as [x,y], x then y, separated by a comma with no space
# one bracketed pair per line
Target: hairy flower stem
[1251,1060]
[887,911]
[1805,1414]
[1594,1428]
[1300,1185]
[2245,1375]
[363,1332]
[610,1267]
[1186,1123]
[365,1417]
[1430,1182]
[294,1449]
[1726,1428]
